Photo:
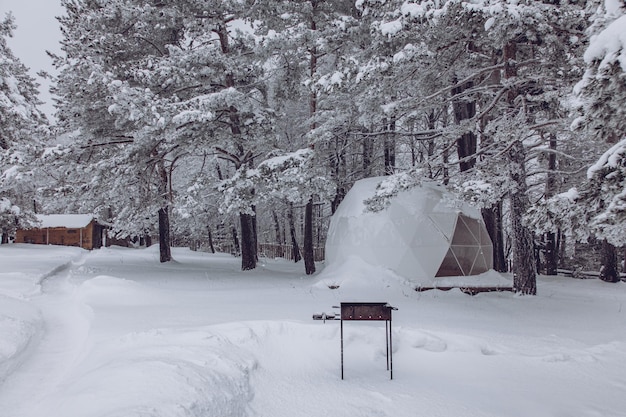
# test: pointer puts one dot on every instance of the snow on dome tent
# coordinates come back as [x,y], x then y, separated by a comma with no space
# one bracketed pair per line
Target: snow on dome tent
[425,235]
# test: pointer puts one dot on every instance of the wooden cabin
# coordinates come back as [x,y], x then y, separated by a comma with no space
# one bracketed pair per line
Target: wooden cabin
[81,230]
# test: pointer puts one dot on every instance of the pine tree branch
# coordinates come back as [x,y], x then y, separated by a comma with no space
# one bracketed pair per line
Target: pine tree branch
[476,75]
[113,142]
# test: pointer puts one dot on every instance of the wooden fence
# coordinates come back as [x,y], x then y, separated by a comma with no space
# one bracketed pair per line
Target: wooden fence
[270,250]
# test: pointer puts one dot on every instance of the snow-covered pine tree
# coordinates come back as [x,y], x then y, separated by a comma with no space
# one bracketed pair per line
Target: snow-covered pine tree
[232,93]
[307,43]
[500,57]
[22,126]
[114,90]
[602,93]
[151,86]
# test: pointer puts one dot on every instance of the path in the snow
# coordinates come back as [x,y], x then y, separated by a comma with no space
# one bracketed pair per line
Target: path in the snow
[64,329]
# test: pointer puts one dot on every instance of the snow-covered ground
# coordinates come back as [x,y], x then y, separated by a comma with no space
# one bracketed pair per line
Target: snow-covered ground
[115,333]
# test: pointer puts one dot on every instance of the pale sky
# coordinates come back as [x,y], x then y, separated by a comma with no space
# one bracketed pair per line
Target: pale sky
[37,31]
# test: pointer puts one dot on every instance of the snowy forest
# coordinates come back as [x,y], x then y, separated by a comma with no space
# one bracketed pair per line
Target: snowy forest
[224,125]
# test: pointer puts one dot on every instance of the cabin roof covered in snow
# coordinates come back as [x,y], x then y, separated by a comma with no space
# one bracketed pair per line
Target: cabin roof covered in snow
[71,221]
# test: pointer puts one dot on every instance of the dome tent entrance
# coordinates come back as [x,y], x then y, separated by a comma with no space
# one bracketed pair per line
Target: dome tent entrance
[470,252]
[424,233]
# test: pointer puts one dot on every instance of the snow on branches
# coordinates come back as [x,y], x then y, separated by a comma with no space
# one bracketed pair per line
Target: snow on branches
[287,177]
[607,194]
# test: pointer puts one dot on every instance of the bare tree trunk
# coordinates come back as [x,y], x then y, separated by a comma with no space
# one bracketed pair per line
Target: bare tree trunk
[552,253]
[390,147]
[279,239]
[562,247]
[537,253]
[609,271]
[338,169]
[446,173]
[466,148]
[466,144]
[5,237]
[368,153]
[236,244]
[309,253]
[165,253]
[292,231]
[248,242]
[211,241]
[492,217]
[340,193]
[249,255]
[255,240]
[525,276]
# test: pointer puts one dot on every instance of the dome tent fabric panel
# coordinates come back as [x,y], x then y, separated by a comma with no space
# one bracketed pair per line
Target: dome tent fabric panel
[412,237]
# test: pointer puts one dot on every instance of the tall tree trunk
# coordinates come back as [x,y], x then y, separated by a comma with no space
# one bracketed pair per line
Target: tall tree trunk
[390,146]
[248,242]
[537,250]
[292,231]
[340,193]
[466,146]
[165,252]
[279,239]
[562,246]
[249,255]
[368,153]
[464,110]
[524,273]
[446,173]
[492,217]
[313,67]
[279,235]
[609,271]
[255,244]
[552,253]
[236,244]
[309,253]
[338,169]
[431,121]
[211,241]
[525,276]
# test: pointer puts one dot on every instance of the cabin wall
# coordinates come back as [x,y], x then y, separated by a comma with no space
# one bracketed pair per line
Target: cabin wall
[88,237]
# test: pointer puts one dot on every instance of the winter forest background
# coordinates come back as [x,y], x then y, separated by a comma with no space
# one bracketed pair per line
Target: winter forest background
[231,124]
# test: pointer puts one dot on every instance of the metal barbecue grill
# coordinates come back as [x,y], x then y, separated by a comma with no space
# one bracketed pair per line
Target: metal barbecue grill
[355,311]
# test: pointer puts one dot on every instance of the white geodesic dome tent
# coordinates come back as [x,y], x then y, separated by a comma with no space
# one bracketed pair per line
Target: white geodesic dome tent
[425,233]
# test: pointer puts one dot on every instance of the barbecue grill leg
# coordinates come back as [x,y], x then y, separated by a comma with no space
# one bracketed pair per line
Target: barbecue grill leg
[341,325]
[387,341]
[390,351]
